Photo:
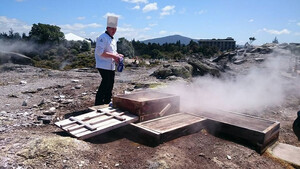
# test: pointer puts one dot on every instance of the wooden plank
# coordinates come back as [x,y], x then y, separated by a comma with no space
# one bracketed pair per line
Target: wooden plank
[106,128]
[96,122]
[170,127]
[256,131]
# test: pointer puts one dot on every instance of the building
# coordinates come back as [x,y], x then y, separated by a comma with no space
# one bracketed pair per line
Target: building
[221,44]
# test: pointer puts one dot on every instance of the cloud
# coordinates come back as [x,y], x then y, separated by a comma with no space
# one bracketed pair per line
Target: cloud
[20,0]
[277,32]
[136,1]
[132,33]
[111,14]
[201,12]
[148,17]
[153,24]
[251,20]
[167,10]
[79,26]
[11,23]
[298,23]
[297,33]
[150,7]
[163,32]
[81,18]
[147,29]
[137,7]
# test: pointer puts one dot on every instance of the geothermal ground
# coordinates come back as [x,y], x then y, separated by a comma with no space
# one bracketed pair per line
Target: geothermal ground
[30,98]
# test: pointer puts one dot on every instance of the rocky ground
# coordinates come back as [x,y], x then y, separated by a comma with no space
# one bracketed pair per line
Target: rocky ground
[32,99]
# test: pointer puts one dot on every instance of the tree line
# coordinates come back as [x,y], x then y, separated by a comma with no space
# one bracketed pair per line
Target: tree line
[49,48]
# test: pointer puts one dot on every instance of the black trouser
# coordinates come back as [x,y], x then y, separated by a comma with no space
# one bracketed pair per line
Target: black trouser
[104,92]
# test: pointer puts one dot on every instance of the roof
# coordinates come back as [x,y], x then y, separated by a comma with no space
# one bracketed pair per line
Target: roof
[71,36]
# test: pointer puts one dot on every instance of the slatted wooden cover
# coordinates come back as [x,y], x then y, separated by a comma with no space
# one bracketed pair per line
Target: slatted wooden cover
[91,124]
[169,127]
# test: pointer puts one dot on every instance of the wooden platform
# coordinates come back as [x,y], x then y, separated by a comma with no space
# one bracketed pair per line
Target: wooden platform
[148,104]
[168,127]
[96,122]
[286,152]
[257,131]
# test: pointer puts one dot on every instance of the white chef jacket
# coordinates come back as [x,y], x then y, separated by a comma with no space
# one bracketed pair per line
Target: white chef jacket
[105,43]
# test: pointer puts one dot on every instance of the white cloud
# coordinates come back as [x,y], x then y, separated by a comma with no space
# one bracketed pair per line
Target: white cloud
[148,17]
[136,1]
[111,14]
[147,29]
[277,32]
[78,26]
[16,25]
[81,18]
[20,0]
[298,23]
[162,32]
[132,33]
[251,20]
[201,12]
[150,7]
[167,10]
[153,24]
[297,33]
[137,7]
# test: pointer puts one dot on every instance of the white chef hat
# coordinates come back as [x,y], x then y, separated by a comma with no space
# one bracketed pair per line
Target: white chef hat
[112,21]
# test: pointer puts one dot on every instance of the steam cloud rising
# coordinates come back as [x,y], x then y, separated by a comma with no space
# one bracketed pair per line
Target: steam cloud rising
[265,85]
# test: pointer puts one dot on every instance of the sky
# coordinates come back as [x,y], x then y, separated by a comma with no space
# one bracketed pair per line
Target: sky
[147,19]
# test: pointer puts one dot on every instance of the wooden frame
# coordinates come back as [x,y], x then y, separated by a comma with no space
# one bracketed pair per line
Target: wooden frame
[148,104]
[169,127]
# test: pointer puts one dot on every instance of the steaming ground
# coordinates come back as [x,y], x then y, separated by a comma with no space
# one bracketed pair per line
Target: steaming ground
[264,85]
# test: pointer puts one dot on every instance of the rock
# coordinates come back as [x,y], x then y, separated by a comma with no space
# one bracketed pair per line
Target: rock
[228,157]
[24,103]
[77,86]
[74,81]
[238,62]
[42,102]
[23,82]
[183,70]
[202,68]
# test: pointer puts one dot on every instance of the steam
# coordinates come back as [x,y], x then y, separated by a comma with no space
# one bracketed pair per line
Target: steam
[17,46]
[265,85]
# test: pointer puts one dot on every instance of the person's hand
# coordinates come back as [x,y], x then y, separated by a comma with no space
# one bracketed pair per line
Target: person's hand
[117,58]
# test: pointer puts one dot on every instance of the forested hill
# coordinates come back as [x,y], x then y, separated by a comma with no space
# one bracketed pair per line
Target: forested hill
[170,39]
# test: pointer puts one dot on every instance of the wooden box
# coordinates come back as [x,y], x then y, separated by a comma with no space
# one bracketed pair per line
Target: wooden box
[148,104]
[163,129]
[259,132]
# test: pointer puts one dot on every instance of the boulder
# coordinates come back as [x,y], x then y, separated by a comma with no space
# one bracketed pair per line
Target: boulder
[178,69]
[201,68]
[16,58]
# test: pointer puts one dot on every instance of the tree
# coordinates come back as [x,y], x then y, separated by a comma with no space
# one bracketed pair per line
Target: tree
[125,47]
[43,33]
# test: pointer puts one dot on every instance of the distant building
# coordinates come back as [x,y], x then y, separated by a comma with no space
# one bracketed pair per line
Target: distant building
[275,40]
[221,44]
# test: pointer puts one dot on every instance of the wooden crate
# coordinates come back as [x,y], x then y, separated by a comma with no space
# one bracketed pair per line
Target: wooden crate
[96,122]
[256,131]
[166,128]
[148,104]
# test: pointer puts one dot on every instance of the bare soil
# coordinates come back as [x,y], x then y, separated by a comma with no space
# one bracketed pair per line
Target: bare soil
[25,142]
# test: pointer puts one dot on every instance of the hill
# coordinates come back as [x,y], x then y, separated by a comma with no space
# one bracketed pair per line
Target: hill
[170,39]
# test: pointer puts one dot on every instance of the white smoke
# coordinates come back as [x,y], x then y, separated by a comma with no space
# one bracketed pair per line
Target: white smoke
[264,85]
[17,46]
